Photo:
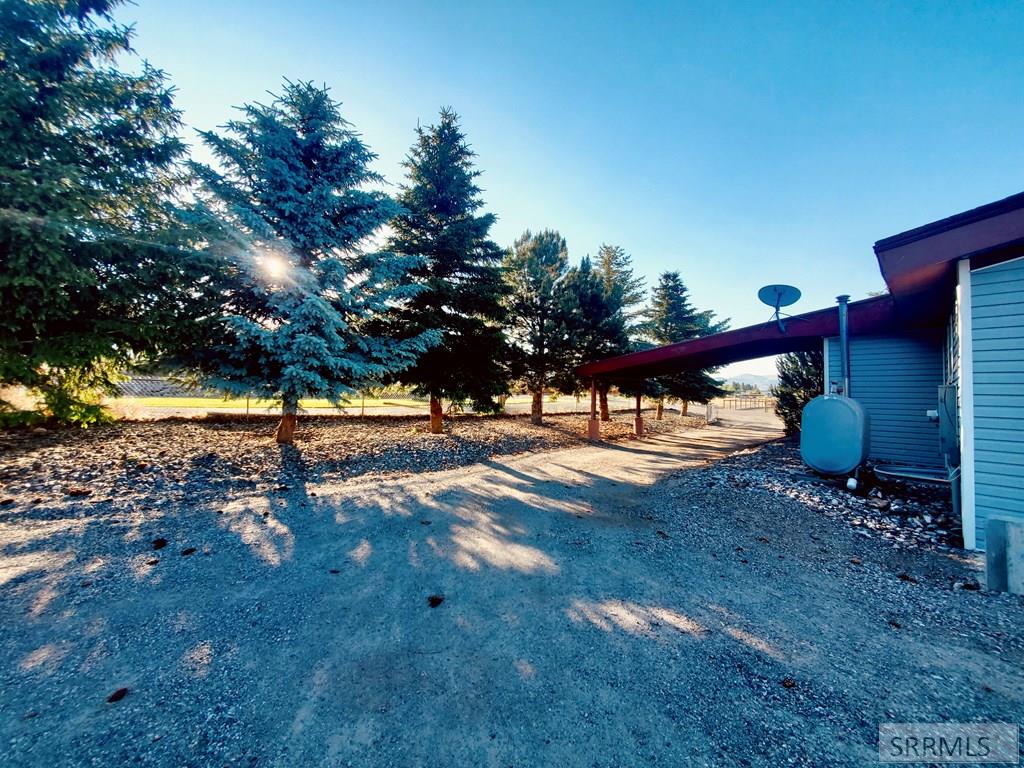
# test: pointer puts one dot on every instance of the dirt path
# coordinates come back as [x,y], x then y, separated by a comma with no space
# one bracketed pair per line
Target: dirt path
[587,619]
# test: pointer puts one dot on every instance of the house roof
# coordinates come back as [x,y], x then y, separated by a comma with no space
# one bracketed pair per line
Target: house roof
[918,263]
[155,386]
[918,266]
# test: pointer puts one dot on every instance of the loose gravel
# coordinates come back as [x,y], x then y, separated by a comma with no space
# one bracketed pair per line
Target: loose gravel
[678,600]
[906,513]
[186,460]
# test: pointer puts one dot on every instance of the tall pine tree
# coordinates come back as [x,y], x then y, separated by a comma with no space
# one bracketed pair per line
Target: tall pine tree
[302,311]
[625,289]
[617,274]
[593,322]
[95,269]
[534,270]
[672,318]
[460,273]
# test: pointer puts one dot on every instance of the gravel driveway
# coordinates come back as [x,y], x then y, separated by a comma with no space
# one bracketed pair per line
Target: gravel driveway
[620,604]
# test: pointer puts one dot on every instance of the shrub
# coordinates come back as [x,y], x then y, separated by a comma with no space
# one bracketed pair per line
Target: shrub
[75,395]
[801,375]
[11,417]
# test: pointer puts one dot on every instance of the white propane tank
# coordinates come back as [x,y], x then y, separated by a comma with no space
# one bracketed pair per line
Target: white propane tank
[834,434]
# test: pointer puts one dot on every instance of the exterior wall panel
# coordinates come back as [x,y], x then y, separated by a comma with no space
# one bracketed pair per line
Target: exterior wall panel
[896,379]
[997,314]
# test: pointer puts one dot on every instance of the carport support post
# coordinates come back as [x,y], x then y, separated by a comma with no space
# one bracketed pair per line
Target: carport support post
[638,420]
[593,426]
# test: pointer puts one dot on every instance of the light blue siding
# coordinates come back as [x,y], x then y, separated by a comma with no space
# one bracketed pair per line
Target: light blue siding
[997,315]
[896,379]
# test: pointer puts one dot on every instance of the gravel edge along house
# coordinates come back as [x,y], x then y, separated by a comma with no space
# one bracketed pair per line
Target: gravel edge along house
[937,364]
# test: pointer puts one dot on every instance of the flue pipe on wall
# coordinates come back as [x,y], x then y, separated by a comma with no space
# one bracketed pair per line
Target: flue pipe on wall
[844,342]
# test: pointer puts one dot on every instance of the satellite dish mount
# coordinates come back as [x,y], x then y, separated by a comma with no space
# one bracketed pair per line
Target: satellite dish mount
[776,297]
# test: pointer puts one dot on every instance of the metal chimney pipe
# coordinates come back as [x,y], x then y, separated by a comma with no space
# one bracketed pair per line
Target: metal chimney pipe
[844,341]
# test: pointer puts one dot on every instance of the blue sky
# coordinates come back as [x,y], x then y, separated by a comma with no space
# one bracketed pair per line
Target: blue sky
[738,143]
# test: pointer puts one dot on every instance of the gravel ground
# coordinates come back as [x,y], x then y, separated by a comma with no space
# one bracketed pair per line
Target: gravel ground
[146,462]
[908,514]
[629,603]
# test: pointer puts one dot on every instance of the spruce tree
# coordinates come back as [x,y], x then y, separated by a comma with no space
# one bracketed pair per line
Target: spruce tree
[616,269]
[672,318]
[459,275]
[95,269]
[593,323]
[302,311]
[534,270]
[621,286]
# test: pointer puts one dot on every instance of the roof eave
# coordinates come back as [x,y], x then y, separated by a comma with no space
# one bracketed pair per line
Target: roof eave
[802,332]
[921,261]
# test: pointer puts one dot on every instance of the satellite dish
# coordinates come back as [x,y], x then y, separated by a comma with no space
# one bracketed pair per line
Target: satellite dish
[777,296]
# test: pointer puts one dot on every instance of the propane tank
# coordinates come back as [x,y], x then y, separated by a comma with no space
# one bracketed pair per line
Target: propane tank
[834,434]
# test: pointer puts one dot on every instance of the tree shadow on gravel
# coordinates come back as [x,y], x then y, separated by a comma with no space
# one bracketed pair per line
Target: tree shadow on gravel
[306,628]
[100,541]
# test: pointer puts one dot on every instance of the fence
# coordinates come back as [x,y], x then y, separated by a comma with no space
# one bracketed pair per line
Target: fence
[745,403]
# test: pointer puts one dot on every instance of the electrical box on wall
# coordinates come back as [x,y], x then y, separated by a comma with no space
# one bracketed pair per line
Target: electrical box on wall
[949,425]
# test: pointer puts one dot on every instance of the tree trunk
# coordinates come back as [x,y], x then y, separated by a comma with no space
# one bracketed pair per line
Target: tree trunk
[537,407]
[684,408]
[436,416]
[661,409]
[501,401]
[286,429]
[602,395]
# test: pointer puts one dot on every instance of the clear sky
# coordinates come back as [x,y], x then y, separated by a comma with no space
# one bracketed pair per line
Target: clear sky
[738,143]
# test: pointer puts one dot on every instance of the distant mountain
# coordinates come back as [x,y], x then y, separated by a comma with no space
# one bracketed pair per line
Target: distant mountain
[762,382]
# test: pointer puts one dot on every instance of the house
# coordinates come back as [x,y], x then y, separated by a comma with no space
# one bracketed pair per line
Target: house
[937,363]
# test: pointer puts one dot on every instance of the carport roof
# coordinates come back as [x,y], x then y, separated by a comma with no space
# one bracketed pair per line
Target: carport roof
[803,332]
[918,266]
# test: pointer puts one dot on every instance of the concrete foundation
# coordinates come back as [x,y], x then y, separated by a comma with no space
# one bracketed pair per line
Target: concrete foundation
[638,426]
[1004,556]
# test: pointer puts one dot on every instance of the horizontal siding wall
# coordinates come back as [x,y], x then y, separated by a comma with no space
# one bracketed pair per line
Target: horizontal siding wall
[997,315]
[896,379]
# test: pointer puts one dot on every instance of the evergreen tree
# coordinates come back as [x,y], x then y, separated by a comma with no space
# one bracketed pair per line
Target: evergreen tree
[303,307]
[460,273]
[672,318]
[534,270]
[801,379]
[623,287]
[95,269]
[593,323]
[616,268]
